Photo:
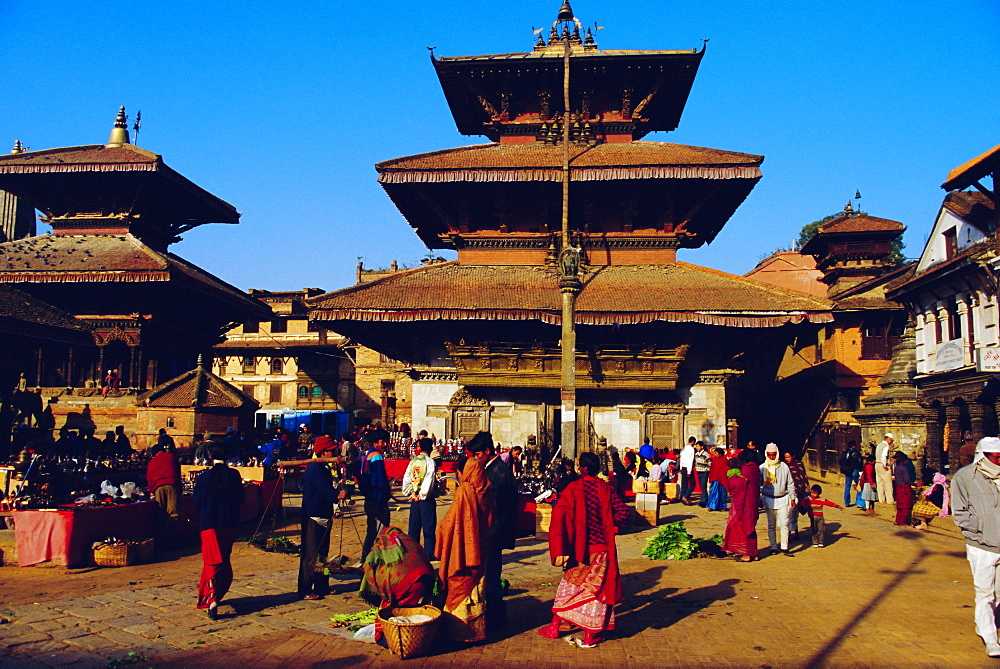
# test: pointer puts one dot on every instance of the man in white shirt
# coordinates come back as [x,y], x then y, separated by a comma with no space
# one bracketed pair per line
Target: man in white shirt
[883,470]
[418,485]
[777,492]
[687,471]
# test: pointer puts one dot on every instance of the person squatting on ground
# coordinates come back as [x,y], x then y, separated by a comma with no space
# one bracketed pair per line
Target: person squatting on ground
[374,486]
[936,494]
[418,485]
[319,498]
[816,504]
[582,542]
[462,542]
[883,470]
[976,508]
[778,496]
[396,573]
[218,494]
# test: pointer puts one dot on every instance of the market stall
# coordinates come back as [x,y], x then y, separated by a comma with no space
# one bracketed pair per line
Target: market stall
[64,535]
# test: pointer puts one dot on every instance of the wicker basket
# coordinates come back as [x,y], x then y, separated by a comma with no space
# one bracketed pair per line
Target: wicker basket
[410,639]
[144,549]
[118,555]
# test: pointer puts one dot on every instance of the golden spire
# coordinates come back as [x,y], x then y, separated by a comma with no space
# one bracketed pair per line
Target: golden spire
[119,133]
[565,12]
[17,147]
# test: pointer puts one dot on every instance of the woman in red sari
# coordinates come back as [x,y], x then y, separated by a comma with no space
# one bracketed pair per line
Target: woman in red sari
[218,494]
[461,547]
[582,541]
[743,485]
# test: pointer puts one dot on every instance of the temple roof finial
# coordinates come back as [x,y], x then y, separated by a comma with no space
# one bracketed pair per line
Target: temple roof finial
[17,147]
[119,133]
[848,209]
[565,12]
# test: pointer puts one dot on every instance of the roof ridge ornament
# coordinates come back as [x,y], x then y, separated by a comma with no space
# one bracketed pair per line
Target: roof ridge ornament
[119,133]
[565,12]
[18,148]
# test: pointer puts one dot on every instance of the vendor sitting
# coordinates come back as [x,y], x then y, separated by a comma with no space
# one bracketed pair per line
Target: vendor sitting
[396,573]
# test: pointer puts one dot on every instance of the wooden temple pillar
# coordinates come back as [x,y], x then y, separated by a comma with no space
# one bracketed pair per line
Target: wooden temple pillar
[976,415]
[935,437]
[69,368]
[953,414]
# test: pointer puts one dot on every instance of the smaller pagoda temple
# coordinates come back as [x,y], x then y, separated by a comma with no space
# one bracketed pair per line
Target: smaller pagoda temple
[115,209]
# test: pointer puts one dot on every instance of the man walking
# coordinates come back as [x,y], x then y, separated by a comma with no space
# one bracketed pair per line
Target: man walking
[883,470]
[850,466]
[976,507]
[318,501]
[418,485]
[374,486]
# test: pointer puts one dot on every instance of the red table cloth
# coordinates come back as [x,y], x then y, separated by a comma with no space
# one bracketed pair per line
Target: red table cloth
[65,535]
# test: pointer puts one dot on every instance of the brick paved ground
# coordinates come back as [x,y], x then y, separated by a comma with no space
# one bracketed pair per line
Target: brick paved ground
[876,596]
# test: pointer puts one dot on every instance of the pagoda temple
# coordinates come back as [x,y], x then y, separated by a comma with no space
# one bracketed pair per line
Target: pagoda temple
[114,210]
[663,347]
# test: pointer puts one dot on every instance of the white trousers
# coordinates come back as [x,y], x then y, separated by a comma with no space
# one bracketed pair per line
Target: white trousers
[777,519]
[883,484]
[984,579]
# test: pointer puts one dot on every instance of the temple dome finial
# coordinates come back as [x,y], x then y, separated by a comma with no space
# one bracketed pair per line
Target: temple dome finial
[119,133]
[565,12]
[17,147]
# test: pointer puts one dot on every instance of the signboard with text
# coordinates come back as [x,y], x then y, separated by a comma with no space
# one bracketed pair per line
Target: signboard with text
[989,359]
[949,356]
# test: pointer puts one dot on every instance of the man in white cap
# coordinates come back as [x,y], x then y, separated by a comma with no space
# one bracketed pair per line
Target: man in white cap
[975,498]
[883,470]
[777,491]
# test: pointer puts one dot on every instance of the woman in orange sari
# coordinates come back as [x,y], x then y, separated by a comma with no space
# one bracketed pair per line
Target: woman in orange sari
[461,547]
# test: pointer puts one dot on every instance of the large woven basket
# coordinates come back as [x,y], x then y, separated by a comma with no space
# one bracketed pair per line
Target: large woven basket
[118,555]
[144,549]
[410,640]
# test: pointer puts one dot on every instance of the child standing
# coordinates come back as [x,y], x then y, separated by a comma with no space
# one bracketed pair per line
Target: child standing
[867,484]
[818,523]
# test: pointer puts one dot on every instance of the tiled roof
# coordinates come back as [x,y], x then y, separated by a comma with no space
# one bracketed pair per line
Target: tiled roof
[77,158]
[510,162]
[614,294]
[196,388]
[861,223]
[64,178]
[972,171]
[109,258]
[23,314]
[973,206]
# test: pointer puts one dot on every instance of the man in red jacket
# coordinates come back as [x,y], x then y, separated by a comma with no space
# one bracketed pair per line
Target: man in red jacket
[163,478]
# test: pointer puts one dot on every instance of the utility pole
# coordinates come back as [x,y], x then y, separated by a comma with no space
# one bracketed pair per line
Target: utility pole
[569,266]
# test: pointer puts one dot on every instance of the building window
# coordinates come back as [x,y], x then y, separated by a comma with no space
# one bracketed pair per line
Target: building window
[303,391]
[881,333]
[249,364]
[247,390]
[170,422]
[279,325]
[251,327]
[388,388]
[277,366]
[845,399]
[317,391]
[950,243]
[954,322]
[275,393]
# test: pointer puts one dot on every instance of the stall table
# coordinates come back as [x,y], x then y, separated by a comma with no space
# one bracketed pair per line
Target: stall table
[65,535]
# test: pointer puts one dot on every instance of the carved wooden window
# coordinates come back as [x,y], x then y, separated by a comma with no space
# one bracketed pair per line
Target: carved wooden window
[277,366]
[249,364]
[275,393]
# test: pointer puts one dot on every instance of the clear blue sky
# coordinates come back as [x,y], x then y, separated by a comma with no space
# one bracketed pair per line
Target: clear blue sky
[282,108]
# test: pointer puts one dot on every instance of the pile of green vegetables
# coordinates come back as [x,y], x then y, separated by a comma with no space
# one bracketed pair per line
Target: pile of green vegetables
[674,542]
